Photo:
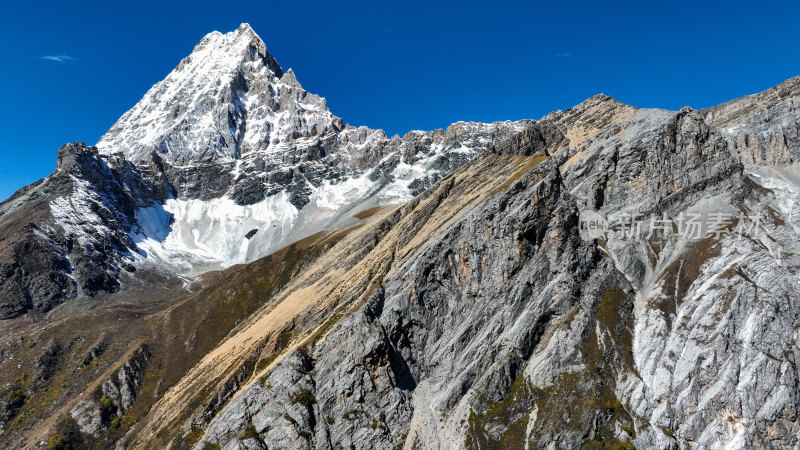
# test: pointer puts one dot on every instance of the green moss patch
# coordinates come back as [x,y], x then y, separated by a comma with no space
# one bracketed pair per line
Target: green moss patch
[511,412]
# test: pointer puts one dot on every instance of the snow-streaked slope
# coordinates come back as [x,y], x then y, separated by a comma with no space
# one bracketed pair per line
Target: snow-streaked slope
[192,236]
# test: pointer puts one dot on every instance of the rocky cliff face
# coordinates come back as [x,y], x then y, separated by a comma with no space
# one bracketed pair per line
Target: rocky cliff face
[605,276]
[68,235]
[505,328]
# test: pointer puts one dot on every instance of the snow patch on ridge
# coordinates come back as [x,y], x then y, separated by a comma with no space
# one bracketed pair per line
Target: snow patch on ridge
[191,236]
[194,236]
[76,213]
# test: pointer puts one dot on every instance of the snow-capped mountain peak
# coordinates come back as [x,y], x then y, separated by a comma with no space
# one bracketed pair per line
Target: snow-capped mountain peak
[228,97]
[242,44]
[249,161]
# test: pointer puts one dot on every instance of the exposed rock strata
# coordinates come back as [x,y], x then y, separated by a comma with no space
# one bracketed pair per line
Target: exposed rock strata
[506,327]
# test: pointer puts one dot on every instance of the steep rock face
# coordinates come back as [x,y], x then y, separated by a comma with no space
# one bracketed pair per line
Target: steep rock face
[116,395]
[762,127]
[506,328]
[68,235]
[34,274]
[229,97]
[464,311]
[122,388]
[345,276]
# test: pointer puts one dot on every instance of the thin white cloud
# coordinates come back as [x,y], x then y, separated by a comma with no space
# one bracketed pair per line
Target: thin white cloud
[564,55]
[58,58]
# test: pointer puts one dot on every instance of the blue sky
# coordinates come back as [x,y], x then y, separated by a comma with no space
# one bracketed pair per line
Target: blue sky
[70,69]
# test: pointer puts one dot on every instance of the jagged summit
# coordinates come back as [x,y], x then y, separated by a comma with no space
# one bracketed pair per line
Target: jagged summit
[242,44]
[227,97]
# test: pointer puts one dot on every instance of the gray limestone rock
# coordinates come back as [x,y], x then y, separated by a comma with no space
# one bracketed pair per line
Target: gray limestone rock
[507,328]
